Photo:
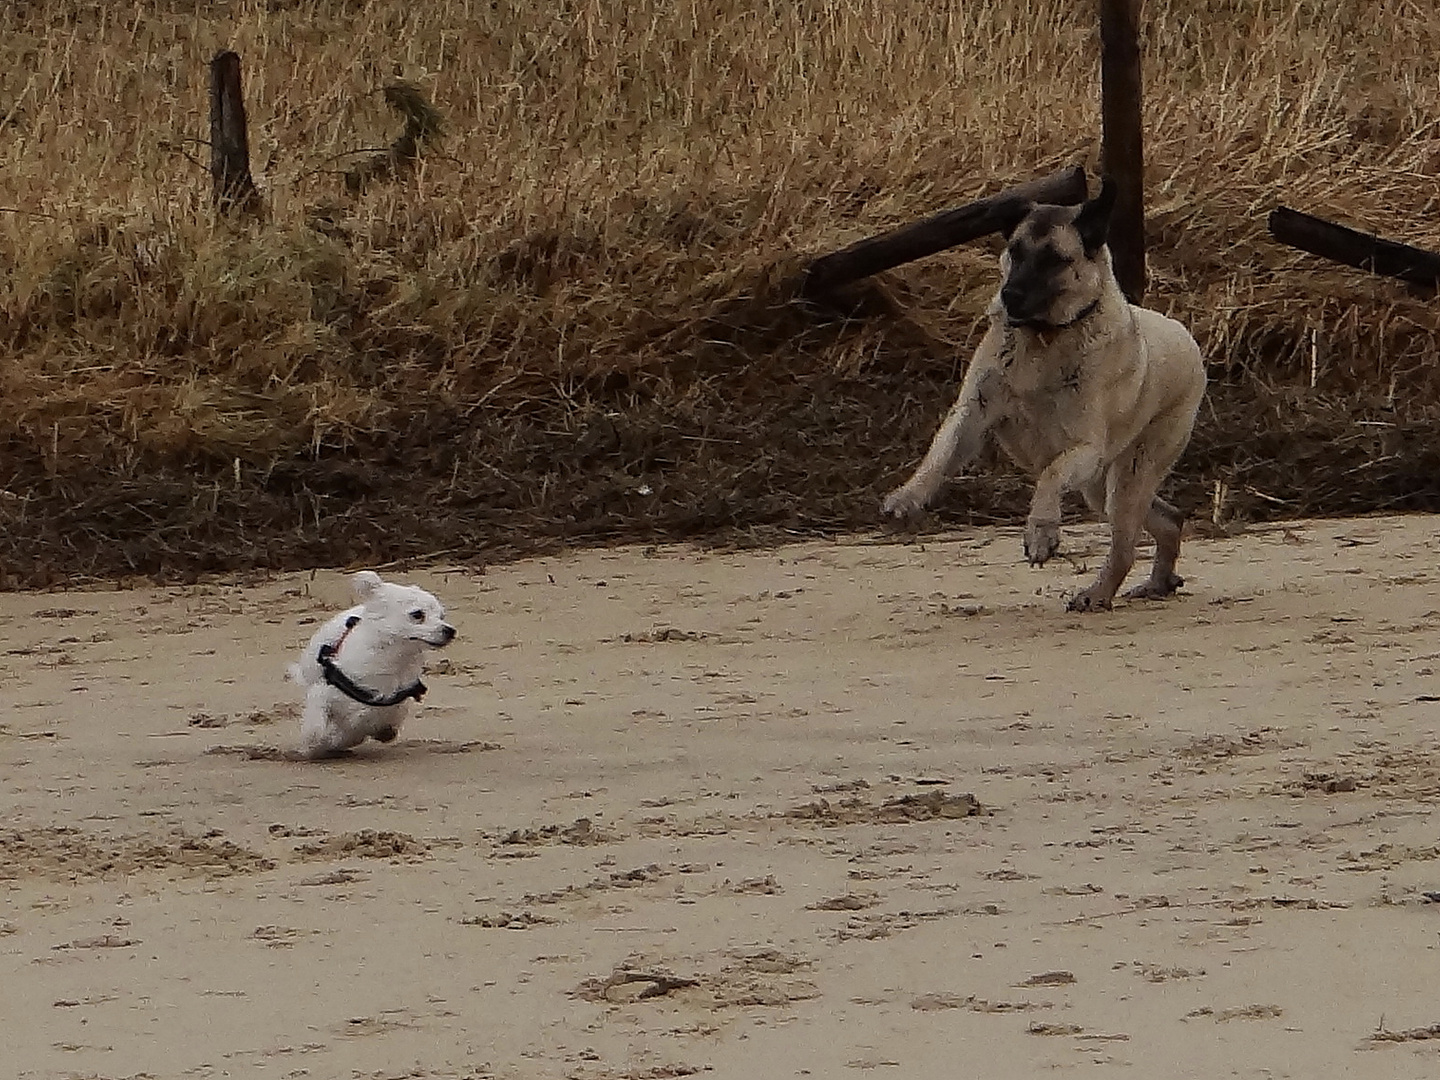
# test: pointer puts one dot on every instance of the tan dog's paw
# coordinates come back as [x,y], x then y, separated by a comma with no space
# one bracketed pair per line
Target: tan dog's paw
[1150,589]
[1090,599]
[1042,540]
[904,502]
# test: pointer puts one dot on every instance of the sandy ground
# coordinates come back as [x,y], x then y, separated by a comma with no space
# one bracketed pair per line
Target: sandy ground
[668,813]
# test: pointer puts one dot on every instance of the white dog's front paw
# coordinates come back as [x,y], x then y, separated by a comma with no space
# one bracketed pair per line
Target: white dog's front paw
[905,501]
[1042,540]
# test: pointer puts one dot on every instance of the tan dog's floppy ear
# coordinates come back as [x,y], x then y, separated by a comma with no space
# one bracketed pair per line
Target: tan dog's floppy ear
[365,583]
[1011,213]
[1093,221]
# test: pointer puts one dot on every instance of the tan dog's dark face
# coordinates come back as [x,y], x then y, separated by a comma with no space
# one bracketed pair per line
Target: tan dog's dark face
[1055,264]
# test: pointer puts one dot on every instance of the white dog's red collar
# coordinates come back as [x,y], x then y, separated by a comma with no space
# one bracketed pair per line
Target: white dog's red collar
[353,690]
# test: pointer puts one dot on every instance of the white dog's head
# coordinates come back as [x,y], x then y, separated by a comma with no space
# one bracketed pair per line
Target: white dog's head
[402,612]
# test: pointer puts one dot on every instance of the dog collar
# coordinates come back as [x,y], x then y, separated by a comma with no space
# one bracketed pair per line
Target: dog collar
[1043,328]
[353,690]
[1085,313]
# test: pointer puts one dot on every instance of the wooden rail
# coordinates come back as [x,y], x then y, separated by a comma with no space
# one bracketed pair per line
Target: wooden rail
[1353,248]
[936,233]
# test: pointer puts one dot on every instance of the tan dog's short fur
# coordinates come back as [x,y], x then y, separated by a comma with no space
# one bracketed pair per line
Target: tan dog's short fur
[1083,390]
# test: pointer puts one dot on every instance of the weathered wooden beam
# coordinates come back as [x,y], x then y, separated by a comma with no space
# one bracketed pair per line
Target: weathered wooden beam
[1362,250]
[941,231]
[1123,148]
[234,187]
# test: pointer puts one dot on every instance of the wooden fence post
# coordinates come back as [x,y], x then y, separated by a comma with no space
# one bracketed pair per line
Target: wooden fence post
[1123,148]
[234,188]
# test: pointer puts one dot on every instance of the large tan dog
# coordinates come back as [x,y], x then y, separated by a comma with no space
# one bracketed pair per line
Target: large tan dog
[1083,390]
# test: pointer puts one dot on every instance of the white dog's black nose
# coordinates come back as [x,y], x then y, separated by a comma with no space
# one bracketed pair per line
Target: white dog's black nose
[447,632]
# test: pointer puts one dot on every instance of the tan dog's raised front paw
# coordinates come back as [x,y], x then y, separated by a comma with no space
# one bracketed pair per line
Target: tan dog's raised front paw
[1042,540]
[905,501]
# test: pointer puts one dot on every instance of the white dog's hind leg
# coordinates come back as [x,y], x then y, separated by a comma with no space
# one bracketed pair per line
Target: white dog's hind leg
[388,732]
[319,736]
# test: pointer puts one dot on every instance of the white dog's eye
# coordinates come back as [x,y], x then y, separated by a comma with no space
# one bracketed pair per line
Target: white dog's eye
[417,615]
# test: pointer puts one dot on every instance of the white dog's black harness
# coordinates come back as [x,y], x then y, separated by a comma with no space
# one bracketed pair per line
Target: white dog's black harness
[353,690]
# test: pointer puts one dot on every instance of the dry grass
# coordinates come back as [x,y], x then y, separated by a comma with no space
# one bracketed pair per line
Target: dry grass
[579,295]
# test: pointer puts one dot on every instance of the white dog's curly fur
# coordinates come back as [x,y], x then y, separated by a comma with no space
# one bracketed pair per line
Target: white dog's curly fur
[379,646]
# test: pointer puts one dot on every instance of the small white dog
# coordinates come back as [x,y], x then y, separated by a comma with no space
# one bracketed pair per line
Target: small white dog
[362,667]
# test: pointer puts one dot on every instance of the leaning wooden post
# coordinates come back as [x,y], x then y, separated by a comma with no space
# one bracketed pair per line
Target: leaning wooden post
[1123,149]
[234,188]
[937,232]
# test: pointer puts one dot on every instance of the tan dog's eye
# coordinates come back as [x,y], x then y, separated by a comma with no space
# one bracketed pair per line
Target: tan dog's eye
[417,615]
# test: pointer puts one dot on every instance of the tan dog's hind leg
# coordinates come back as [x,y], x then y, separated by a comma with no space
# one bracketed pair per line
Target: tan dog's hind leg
[1130,503]
[1127,499]
[1161,445]
[1165,524]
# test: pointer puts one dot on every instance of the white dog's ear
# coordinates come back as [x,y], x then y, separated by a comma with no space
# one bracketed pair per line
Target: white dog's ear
[365,583]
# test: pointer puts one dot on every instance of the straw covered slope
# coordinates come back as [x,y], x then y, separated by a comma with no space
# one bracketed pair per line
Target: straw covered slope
[573,319]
